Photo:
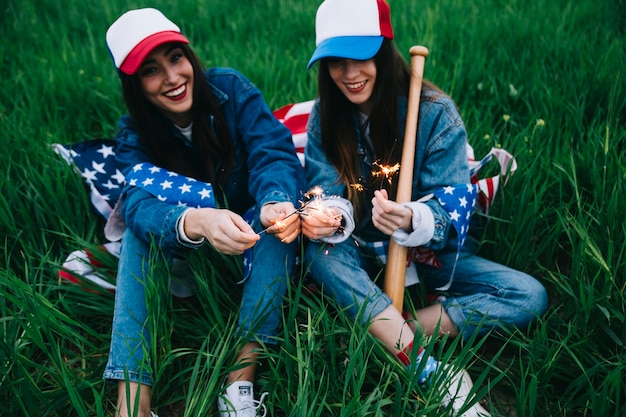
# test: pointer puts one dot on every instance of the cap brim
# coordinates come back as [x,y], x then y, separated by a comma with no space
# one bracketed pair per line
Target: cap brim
[136,57]
[349,47]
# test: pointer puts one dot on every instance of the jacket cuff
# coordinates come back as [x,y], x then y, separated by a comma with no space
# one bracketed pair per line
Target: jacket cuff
[347,227]
[180,232]
[423,222]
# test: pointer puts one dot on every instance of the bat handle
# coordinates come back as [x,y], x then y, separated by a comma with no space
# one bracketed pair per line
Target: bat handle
[395,273]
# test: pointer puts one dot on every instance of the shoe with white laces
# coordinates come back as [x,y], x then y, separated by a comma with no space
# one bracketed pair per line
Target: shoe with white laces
[238,401]
[457,386]
[153,414]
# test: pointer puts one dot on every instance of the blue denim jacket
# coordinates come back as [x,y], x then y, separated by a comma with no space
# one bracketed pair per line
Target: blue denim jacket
[267,168]
[440,160]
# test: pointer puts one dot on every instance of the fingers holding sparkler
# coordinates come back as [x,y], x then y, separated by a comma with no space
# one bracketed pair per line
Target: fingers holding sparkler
[227,232]
[389,216]
[319,221]
[281,220]
[319,218]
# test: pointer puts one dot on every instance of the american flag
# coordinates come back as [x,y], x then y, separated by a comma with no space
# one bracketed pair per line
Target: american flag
[95,161]
[171,187]
[295,117]
[488,186]
[458,201]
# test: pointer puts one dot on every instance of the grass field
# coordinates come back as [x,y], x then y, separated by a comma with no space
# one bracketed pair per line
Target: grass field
[544,80]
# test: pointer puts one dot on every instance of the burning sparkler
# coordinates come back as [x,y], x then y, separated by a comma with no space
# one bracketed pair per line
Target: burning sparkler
[313,200]
[357,187]
[385,171]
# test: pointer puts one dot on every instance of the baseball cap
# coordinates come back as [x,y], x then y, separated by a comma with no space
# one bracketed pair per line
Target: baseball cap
[352,29]
[136,33]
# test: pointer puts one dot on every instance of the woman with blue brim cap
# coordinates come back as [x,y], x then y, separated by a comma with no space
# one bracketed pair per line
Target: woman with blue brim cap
[358,38]
[356,126]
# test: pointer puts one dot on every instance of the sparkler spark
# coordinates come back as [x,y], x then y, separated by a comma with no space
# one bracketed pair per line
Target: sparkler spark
[385,171]
[357,187]
[314,193]
[313,197]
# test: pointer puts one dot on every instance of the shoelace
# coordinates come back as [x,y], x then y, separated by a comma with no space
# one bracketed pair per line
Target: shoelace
[256,404]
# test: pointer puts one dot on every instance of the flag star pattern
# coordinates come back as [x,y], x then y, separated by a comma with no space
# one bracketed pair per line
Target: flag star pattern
[171,187]
[459,202]
[95,161]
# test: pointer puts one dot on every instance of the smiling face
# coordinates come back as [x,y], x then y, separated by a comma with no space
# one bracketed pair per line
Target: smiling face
[355,79]
[167,81]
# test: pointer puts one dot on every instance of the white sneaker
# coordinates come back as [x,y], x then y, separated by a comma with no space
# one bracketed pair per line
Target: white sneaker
[458,385]
[238,401]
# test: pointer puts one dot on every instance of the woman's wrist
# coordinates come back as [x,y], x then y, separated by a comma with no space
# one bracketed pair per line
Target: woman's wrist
[186,230]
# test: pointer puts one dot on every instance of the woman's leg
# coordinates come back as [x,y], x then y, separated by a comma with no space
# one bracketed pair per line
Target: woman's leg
[259,320]
[343,275]
[129,361]
[431,317]
[261,304]
[390,328]
[248,354]
[127,394]
[484,295]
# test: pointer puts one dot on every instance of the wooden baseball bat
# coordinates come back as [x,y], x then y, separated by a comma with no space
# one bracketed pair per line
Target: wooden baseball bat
[395,272]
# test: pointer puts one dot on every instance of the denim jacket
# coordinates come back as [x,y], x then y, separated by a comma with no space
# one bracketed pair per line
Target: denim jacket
[267,169]
[440,160]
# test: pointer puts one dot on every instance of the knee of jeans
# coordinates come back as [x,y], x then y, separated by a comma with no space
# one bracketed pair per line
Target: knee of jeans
[535,295]
[540,295]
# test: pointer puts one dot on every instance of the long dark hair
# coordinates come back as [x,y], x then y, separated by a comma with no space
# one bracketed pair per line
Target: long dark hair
[213,149]
[339,139]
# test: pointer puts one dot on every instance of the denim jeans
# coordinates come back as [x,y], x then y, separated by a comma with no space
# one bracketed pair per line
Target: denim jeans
[483,295]
[259,314]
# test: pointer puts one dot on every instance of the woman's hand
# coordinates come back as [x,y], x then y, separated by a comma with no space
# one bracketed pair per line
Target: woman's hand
[389,216]
[228,232]
[281,220]
[319,221]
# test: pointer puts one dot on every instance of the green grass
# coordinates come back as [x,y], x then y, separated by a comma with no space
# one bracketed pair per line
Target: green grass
[544,80]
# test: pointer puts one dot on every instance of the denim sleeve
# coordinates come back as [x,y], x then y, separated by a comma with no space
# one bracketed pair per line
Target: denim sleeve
[149,218]
[275,172]
[443,138]
[144,215]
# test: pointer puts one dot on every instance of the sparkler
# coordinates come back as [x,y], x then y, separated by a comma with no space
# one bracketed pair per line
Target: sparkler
[280,223]
[314,193]
[357,187]
[385,171]
[313,200]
